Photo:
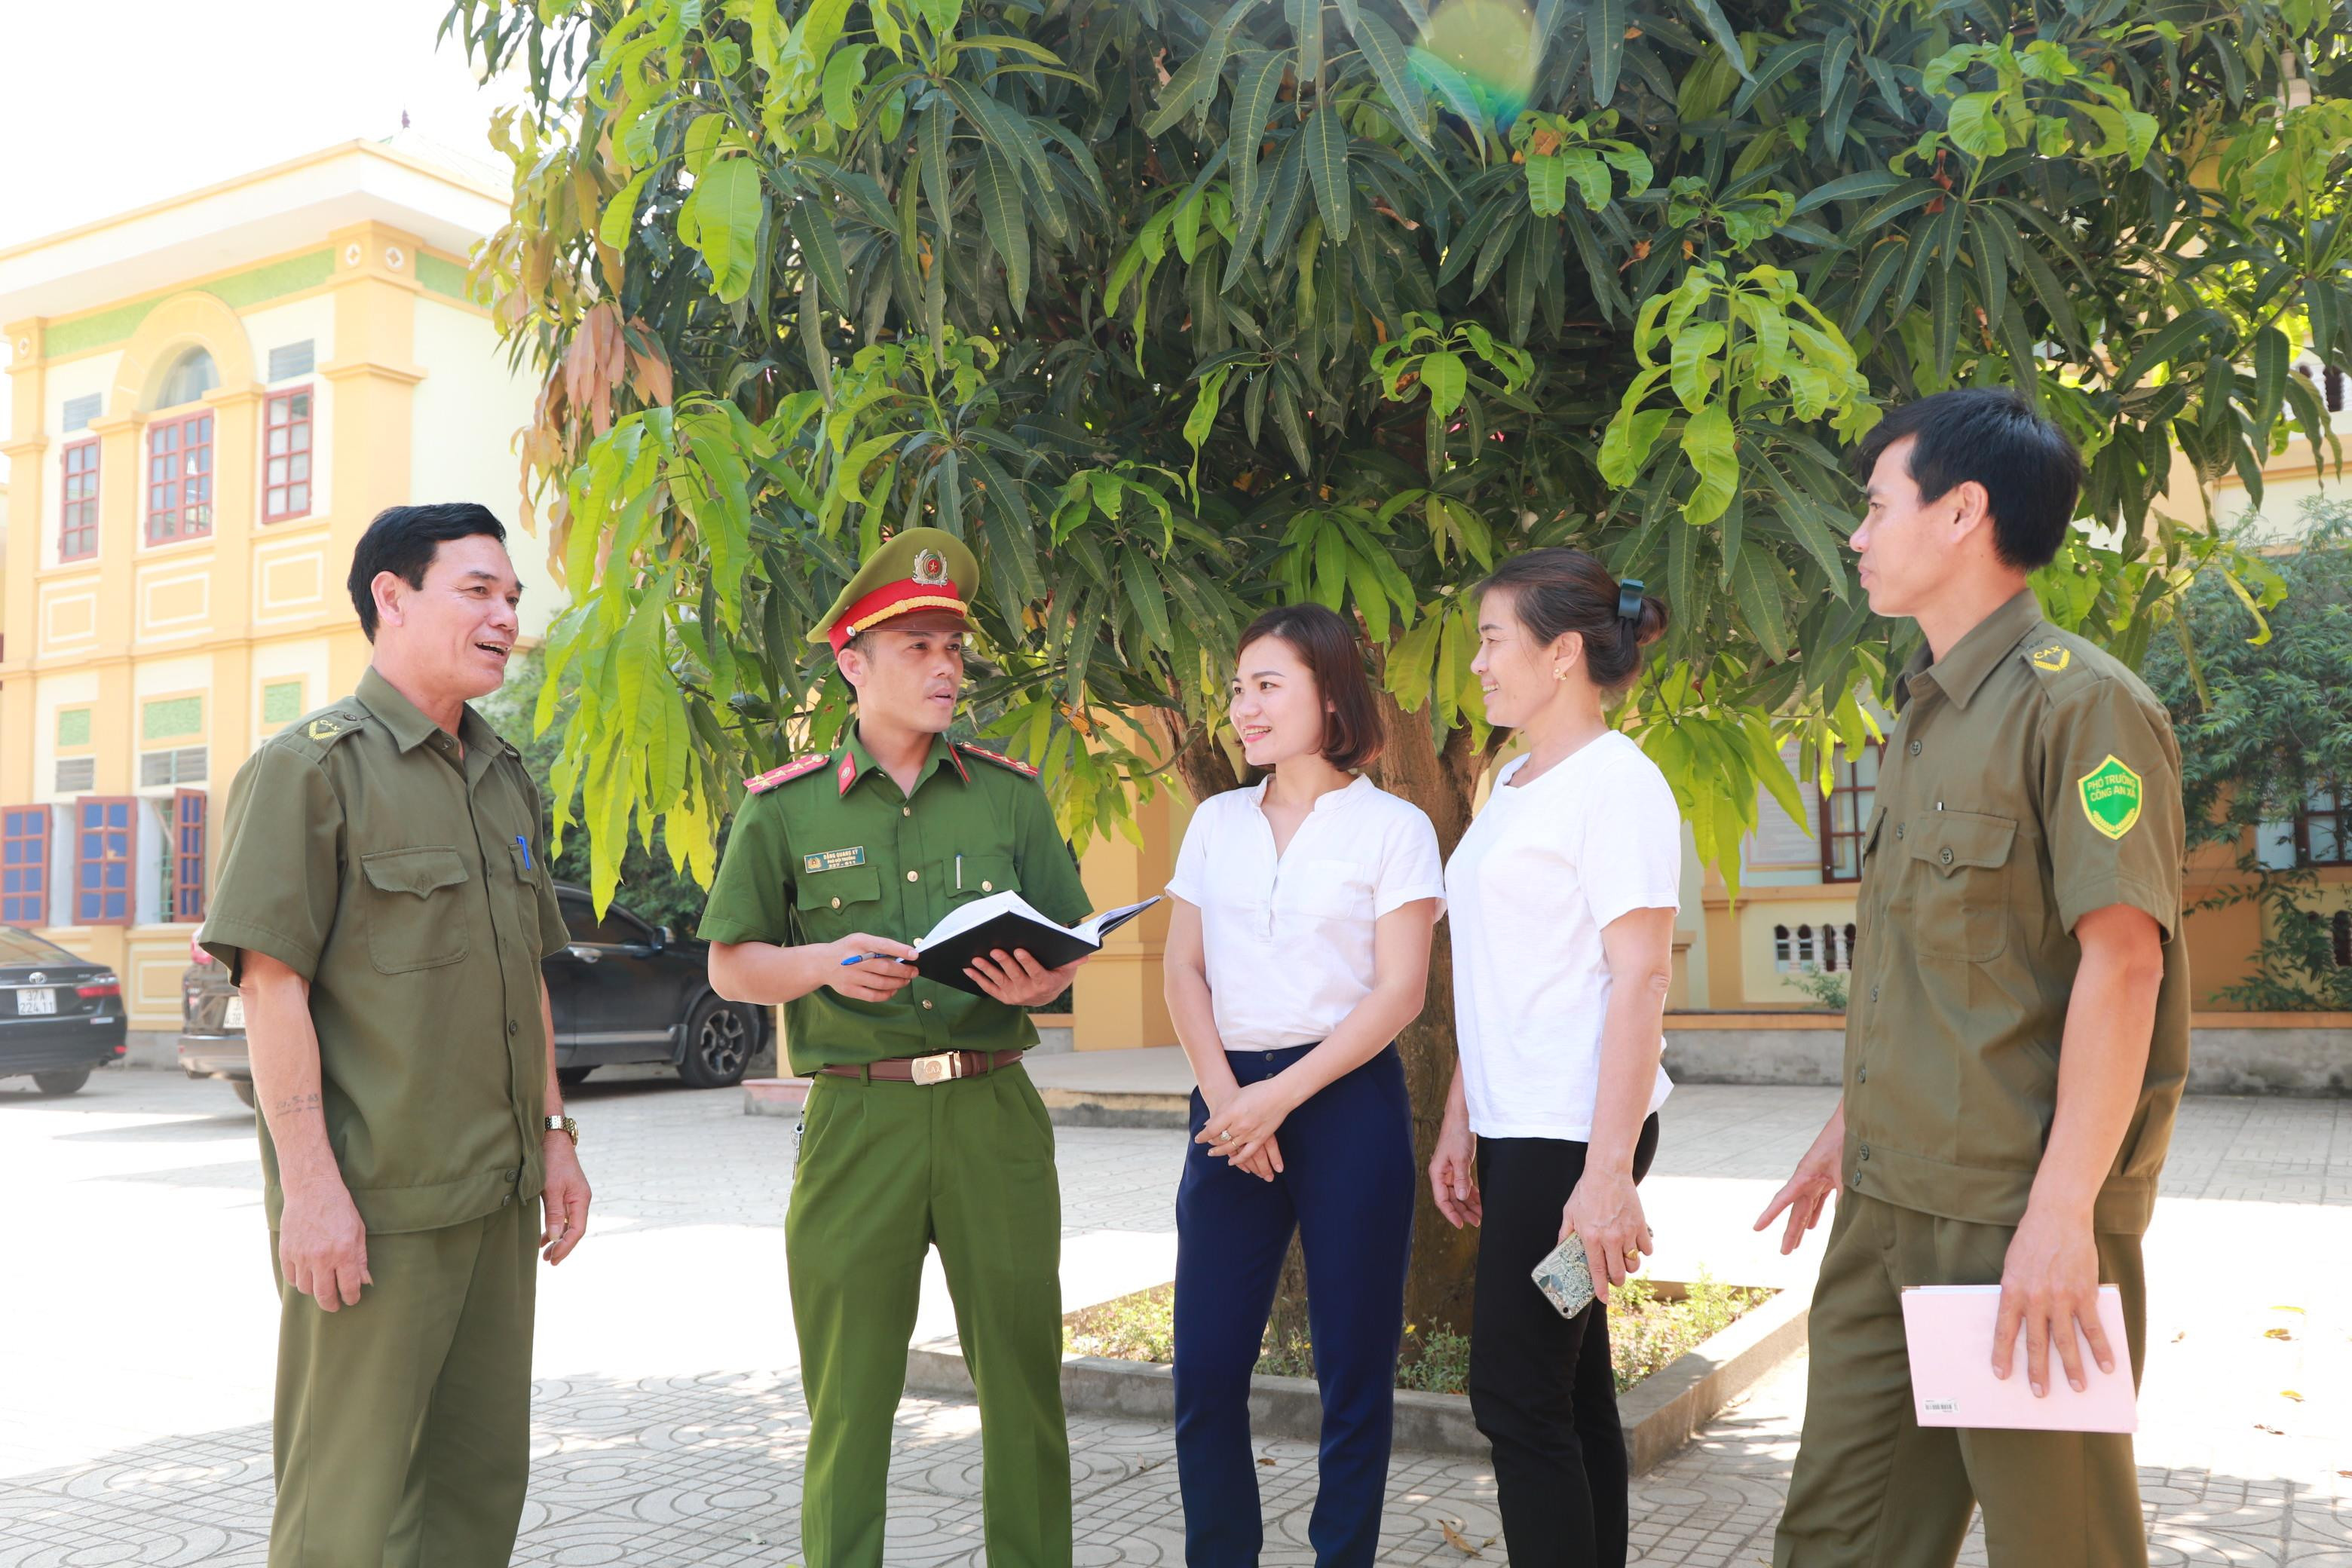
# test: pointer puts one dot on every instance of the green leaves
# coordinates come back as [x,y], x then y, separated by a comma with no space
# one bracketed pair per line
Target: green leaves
[1177,312]
[1327,164]
[722,219]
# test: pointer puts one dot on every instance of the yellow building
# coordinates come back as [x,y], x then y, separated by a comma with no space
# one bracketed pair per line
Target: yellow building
[209,399]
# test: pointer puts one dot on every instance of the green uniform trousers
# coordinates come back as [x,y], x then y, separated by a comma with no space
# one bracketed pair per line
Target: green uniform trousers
[403,1436]
[1872,1486]
[885,1170]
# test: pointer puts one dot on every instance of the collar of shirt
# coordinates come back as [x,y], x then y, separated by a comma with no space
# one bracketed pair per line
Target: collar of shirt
[857,762]
[1330,800]
[1975,656]
[411,729]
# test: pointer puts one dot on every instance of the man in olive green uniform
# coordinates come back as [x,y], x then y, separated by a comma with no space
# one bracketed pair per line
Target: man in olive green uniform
[921,1127]
[383,901]
[2018,1033]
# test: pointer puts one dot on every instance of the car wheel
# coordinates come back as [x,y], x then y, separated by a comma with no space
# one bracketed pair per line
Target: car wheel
[567,1076]
[244,1087]
[64,1081]
[719,1040]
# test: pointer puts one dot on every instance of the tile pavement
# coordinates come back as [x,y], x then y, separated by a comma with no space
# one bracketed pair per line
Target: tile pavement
[683,1446]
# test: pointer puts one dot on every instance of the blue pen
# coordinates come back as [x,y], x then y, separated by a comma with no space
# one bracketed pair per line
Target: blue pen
[878,957]
[524,845]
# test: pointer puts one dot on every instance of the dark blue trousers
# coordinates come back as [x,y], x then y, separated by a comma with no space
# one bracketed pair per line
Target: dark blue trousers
[1348,1188]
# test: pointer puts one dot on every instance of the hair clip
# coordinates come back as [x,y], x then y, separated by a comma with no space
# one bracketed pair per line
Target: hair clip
[1629,599]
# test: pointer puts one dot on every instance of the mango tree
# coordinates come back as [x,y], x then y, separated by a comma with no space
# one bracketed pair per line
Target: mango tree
[1176,308]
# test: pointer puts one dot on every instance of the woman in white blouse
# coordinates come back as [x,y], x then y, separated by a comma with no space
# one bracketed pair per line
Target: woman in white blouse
[1563,892]
[1298,948]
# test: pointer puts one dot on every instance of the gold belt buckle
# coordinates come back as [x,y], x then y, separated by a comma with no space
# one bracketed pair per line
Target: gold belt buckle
[934,1070]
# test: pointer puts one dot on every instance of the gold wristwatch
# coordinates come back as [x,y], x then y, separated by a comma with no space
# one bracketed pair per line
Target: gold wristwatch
[566,1125]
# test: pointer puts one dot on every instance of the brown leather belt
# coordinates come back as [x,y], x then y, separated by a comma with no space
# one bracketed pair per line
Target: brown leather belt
[936,1068]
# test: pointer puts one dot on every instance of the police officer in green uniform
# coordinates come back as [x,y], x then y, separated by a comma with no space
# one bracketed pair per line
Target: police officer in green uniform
[2018,1033]
[383,902]
[920,1126]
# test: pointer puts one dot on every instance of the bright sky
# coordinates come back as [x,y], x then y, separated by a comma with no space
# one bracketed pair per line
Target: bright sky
[112,105]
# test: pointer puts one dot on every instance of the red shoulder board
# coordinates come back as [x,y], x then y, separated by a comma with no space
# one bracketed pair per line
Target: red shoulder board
[999,758]
[763,783]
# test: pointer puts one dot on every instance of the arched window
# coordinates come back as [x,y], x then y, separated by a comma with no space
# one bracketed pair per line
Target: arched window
[190,378]
[2340,937]
[1805,946]
[180,453]
[1779,947]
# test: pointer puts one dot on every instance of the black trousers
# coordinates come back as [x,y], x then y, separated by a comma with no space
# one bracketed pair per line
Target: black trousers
[1542,1388]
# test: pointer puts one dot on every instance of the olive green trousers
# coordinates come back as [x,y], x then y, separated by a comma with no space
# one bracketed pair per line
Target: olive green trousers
[1872,1486]
[402,1434]
[886,1171]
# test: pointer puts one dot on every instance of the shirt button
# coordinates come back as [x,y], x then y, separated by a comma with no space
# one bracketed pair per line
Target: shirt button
[1865,1151]
[1898,830]
[1862,1075]
[927,1003]
[905,811]
[1874,992]
[1946,856]
[913,876]
[1915,748]
[513,1028]
[988,887]
[837,903]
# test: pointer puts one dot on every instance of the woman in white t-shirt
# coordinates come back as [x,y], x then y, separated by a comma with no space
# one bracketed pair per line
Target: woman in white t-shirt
[1298,948]
[1563,892]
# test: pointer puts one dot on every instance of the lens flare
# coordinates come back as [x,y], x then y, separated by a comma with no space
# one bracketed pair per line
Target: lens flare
[1479,56]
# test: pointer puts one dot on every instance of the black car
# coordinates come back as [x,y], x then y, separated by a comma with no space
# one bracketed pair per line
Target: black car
[622,992]
[60,1014]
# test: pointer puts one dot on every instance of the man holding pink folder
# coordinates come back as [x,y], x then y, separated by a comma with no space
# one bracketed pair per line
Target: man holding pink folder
[2016,1041]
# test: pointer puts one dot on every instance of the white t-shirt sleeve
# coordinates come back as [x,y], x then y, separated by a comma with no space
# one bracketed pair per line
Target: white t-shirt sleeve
[1411,868]
[1632,852]
[1191,877]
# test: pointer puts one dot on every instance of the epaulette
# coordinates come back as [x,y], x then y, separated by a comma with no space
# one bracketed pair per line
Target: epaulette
[2059,661]
[325,727]
[760,784]
[999,758]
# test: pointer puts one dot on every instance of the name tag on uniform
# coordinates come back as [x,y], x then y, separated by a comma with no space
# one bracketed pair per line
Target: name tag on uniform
[834,859]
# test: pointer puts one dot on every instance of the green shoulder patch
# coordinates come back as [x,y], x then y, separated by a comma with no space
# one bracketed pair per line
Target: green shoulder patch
[2111,796]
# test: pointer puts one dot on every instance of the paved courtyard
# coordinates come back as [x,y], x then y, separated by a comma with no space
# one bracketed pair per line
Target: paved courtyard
[669,1425]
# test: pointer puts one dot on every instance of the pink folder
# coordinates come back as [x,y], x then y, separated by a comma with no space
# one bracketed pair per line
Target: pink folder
[1949,1328]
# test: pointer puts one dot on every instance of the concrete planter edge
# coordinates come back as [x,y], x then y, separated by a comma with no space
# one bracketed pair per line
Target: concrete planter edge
[1661,1413]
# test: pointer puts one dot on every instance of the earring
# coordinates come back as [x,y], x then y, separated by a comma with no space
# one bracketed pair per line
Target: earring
[1558,674]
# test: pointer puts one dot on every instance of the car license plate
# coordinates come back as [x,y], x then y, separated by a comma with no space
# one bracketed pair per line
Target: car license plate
[44,1001]
[235,1018]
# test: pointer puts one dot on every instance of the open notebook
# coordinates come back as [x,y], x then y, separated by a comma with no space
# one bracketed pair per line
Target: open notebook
[1005,921]
[1949,1331]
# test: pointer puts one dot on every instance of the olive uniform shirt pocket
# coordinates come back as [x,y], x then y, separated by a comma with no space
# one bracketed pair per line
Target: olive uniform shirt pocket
[1959,871]
[833,904]
[415,918]
[967,876]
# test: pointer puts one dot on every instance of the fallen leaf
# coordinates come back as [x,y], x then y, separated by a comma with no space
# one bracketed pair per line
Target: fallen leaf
[2180,1336]
[2271,1430]
[2297,1310]
[1454,1539]
[1268,1463]
[2290,1393]
[2278,1334]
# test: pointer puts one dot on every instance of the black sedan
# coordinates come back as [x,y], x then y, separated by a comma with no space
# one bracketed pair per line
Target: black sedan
[622,992]
[60,1014]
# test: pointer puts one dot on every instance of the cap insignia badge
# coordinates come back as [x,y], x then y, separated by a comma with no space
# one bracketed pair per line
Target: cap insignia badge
[930,568]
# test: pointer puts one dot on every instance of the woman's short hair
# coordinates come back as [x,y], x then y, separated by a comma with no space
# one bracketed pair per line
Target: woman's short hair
[1557,591]
[1352,731]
